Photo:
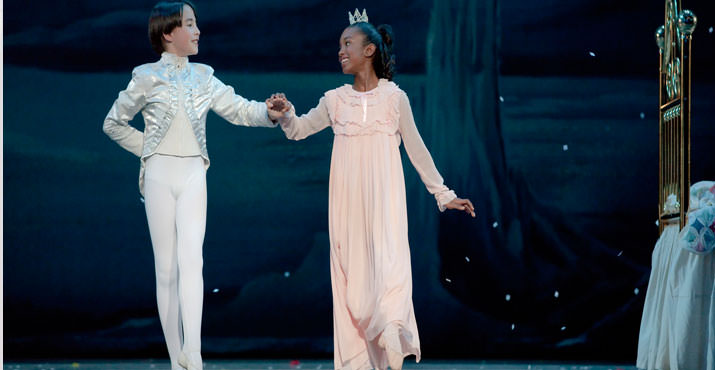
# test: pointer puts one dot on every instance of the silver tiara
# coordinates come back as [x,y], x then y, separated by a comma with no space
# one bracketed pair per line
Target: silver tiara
[357,17]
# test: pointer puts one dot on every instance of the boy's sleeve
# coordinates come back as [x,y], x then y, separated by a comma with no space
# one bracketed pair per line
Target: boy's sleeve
[116,125]
[236,109]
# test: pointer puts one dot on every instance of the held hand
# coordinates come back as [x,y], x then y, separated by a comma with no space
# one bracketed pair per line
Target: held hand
[273,113]
[287,104]
[280,102]
[277,104]
[462,205]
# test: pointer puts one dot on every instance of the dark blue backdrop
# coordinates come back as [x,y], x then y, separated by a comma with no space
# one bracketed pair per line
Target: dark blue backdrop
[578,91]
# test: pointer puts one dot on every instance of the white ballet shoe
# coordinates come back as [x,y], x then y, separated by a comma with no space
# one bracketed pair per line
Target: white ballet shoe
[192,361]
[390,341]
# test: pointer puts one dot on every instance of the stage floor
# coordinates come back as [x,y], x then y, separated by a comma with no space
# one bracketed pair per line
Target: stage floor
[304,365]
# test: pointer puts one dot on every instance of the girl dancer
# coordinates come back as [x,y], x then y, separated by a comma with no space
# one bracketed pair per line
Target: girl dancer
[174,97]
[373,318]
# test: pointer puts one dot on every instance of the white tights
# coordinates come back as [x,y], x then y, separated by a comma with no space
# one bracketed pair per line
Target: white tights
[175,201]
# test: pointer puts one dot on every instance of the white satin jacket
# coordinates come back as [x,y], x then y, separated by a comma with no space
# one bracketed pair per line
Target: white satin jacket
[153,90]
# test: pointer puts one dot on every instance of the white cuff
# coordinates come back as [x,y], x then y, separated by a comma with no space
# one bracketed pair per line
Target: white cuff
[443,198]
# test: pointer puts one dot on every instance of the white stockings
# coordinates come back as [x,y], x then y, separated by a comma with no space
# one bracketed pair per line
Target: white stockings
[175,201]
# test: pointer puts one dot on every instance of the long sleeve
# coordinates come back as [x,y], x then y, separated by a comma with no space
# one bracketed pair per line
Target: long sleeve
[420,157]
[236,109]
[298,128]
[116,124]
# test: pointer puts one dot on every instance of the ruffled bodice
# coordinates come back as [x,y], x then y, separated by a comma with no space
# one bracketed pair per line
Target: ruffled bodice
[355,113]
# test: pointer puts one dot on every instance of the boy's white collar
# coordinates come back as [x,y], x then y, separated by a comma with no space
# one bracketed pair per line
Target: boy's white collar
[174,60]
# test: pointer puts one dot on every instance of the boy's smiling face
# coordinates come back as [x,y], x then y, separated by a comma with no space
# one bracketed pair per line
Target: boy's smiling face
[184,40]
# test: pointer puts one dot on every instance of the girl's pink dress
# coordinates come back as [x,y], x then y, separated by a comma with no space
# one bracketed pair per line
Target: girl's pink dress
[369,251]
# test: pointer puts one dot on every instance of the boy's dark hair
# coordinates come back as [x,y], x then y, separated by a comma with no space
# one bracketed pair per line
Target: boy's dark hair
[164,17]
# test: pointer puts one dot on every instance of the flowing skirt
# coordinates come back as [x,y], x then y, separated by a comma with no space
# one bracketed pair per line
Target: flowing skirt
[369,251]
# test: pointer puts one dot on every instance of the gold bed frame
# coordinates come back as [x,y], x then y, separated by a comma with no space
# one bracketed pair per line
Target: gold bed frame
[674,40]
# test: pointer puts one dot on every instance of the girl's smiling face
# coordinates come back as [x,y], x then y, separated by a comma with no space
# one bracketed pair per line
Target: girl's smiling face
[184,40]
[354,55]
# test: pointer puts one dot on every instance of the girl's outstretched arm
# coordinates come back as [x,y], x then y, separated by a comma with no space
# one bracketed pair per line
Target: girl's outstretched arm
[422,160]
[298,128]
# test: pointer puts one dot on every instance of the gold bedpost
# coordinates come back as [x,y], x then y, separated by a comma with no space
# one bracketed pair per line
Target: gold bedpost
[686,26]
[660,40]
[674,40]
